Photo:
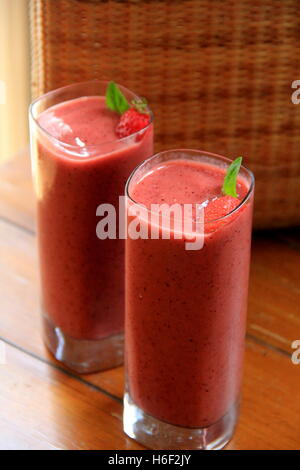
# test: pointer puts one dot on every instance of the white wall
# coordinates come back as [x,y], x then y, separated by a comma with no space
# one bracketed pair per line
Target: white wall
[14,76]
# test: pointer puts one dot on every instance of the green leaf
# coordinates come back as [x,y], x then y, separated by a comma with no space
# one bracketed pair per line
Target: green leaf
[115,100]
[229,185]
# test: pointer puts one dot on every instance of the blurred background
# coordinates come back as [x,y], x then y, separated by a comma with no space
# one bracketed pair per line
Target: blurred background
[217,75]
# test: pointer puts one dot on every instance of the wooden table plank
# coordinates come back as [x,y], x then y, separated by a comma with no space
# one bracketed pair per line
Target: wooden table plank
[43,408]
[274,291]
[16,192]
[270,412]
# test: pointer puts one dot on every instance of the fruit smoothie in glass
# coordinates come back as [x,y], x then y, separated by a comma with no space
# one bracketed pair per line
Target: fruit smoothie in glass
[186,308]
[82,156]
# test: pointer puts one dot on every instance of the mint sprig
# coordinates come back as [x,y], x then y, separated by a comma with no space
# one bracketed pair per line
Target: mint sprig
[115,100]
[229,184]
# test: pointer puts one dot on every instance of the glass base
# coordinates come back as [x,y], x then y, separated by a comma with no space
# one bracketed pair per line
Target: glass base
[156,434]
[82,355]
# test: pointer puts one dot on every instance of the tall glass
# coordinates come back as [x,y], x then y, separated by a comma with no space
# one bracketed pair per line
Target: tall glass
[185,321]
[82,276]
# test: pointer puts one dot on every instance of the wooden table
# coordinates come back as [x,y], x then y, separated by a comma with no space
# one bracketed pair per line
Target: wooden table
[45,406]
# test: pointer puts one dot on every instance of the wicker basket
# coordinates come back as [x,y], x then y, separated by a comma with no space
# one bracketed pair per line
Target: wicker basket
[217,73]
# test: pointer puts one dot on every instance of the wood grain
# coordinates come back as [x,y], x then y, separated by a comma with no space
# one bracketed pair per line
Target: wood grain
[16,192]
[270,412]
[43,408]
[274,293]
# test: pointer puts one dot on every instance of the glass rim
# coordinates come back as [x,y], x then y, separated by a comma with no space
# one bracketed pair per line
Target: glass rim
[196,152]
[70,146]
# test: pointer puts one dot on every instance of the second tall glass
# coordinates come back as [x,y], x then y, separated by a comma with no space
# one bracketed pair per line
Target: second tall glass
[82,277]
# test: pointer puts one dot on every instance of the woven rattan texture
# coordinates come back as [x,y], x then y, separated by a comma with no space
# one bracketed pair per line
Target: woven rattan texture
[217,74]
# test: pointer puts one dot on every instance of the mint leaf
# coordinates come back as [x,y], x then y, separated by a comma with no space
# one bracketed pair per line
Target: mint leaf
[115,100]
[229,185]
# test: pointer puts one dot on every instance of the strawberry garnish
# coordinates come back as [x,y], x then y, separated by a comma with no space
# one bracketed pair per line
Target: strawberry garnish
[135,116]
[224,205]
[130,122]
[220,207]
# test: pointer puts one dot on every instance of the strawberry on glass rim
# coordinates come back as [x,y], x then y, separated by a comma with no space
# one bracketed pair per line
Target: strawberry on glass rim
[135,116]
[218,208]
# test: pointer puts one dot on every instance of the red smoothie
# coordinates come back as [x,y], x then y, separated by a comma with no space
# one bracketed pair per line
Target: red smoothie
[186,310]
[79,163]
